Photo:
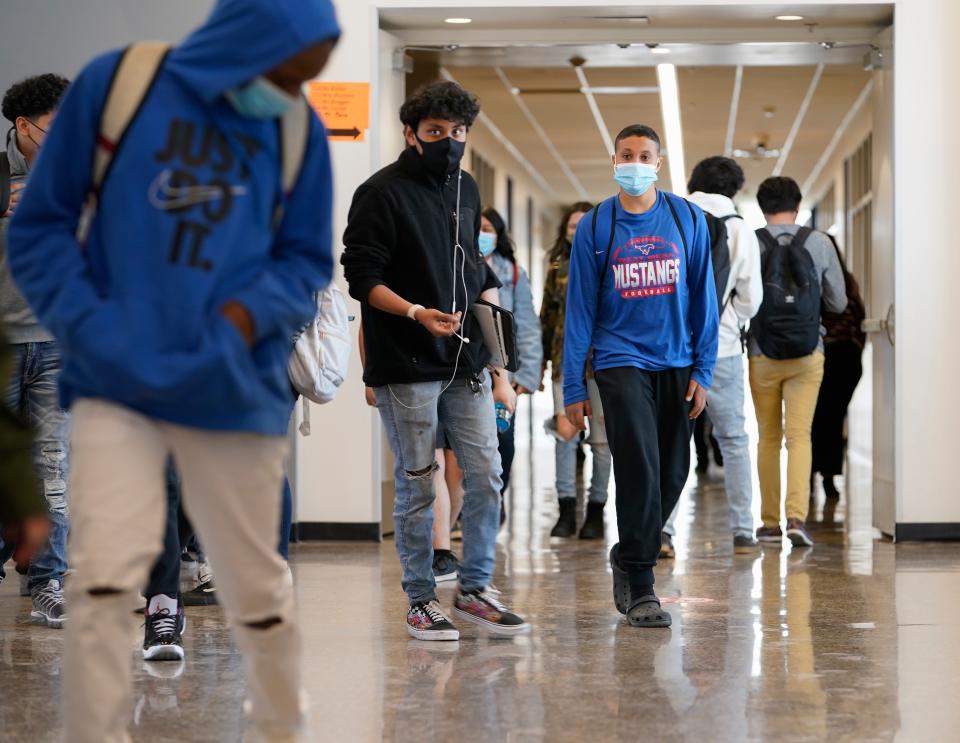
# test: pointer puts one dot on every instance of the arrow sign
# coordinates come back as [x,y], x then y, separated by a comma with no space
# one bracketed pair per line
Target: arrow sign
[344,133]
[344,108]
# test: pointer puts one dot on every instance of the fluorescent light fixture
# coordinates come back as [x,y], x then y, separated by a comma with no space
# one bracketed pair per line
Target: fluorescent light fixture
[458,20]
[789,17]
[622,90]
[659,50]
[670,103]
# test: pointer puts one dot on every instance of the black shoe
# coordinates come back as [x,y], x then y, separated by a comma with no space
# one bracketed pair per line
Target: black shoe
[745,545]
[566,525]
[163,633]
[593,523]
[770,534]
[717,454]
[829,488]
[485,609]
[446,566]
[48,605]
[621,582]
[667,550]
[205,594]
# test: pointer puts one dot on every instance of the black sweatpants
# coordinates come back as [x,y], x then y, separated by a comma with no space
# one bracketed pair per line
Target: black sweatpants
[649,434]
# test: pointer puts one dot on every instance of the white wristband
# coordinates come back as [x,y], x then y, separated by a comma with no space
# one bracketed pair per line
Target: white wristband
[412,312]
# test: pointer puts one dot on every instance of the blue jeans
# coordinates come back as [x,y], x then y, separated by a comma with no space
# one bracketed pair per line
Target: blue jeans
[725,401]
[410,415]
[566,466]
[32,390]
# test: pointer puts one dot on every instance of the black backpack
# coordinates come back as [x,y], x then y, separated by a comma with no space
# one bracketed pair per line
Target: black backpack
[788,323]
[720,252]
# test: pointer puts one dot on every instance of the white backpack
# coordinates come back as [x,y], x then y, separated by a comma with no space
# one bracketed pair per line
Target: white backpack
[321,354]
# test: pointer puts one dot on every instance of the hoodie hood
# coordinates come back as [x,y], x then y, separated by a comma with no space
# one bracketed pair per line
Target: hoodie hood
[245,38]
[18,163]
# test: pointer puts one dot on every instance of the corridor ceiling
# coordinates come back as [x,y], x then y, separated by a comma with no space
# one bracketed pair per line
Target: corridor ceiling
[803,77]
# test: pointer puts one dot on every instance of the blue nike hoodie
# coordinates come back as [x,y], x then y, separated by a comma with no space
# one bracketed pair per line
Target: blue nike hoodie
[185,224]
[655,308]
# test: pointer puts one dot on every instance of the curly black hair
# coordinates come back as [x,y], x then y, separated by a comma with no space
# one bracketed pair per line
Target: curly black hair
[779,194]
[440,100]
[716,175]
[34,97]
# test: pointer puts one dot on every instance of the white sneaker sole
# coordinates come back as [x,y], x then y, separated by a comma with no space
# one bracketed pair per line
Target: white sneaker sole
[433,635]
[446,578]
[163,652]
[38,617]
[494,629]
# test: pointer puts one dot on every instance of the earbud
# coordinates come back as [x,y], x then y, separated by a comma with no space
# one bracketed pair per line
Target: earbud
[465,340]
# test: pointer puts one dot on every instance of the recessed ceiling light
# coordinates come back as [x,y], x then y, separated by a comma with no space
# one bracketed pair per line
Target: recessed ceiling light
[659,50]
[458,20]
[789,17]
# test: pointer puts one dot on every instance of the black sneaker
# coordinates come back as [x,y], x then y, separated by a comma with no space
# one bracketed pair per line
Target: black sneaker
[745,545]
[797,533]
[48,605]
[163,633]
[484,609]
[769,534]
[593,524]
[667,550]
[446,566]
[205,594]
[426,621]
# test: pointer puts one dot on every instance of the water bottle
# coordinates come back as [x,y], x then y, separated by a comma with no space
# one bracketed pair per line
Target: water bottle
[503,417]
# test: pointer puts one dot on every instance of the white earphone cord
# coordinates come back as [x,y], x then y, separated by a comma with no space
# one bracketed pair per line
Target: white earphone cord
[463,280]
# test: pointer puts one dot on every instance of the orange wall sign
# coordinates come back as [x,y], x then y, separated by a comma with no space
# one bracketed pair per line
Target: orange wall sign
[344,108]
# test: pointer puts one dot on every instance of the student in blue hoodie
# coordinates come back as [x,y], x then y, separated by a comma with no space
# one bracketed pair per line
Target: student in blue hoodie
[641,295]
[174,319]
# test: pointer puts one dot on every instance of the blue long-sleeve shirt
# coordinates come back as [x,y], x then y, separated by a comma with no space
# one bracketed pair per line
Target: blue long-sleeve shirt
[655,308]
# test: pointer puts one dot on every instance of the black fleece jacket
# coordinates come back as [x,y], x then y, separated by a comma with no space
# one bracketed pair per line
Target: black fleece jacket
[401,233]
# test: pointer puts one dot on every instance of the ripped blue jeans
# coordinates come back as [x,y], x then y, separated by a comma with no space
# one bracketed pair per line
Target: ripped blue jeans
[32,391]
[411,414]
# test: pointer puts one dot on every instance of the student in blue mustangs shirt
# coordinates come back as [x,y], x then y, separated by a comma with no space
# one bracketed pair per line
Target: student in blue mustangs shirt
[641,295]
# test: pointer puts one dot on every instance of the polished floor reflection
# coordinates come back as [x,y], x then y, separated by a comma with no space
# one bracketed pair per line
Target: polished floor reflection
[854,640]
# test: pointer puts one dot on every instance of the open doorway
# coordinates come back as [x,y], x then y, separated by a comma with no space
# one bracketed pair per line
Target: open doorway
[806,96]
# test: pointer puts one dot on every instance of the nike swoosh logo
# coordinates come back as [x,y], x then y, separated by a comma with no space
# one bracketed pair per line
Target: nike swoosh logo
[169,198]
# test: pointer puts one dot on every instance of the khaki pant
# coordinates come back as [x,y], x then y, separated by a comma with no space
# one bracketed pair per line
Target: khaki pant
[231,490]
[792,384]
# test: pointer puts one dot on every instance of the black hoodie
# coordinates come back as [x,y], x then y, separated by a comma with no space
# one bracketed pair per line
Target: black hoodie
[401,233]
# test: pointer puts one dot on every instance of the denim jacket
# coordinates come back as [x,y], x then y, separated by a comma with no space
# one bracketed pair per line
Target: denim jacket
[517,298]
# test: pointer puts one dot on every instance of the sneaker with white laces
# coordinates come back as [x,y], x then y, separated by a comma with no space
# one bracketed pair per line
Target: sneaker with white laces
[163,626]
[205,593]
[426,621]
[485,609]
[49,606]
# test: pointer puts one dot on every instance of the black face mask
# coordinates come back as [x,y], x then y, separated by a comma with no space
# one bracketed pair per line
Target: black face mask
[443,157]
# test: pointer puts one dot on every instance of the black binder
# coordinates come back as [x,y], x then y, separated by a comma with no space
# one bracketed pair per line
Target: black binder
[499,334]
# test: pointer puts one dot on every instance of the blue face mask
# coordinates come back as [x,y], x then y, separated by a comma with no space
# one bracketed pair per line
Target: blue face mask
[635,178]
[488,243]
[260,99]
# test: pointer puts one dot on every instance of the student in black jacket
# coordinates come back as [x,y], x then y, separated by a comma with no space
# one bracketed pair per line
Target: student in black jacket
[412,260]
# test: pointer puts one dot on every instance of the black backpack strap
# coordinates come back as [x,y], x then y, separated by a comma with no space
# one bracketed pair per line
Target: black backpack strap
[676,219]
[769,241]
[613,229]
[4,183]
[730,216]
[800,239]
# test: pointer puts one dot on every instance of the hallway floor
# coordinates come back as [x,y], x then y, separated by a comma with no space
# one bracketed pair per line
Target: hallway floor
[853,640]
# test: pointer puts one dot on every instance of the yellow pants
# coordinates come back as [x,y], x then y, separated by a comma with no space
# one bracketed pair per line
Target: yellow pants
[794,384]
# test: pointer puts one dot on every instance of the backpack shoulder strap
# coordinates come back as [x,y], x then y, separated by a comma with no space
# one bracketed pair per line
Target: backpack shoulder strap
[730,216]
[676,219]
[4,183]
[294,138]
[768,240]
[132,80]
[800,239]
